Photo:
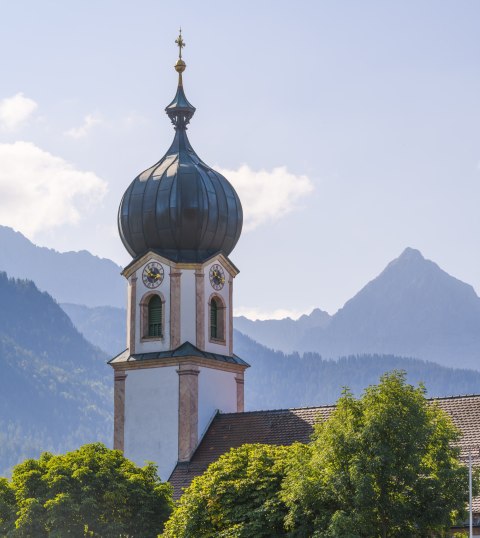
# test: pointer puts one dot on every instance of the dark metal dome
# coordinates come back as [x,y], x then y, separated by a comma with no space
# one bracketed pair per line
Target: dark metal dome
[180,207]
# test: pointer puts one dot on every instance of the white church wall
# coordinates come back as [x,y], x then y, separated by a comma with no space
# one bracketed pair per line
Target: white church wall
[188,306]
[143,345]
[217,389]
[151,417]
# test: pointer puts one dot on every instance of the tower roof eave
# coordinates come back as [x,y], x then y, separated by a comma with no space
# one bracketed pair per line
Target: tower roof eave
[138,262]
[186,351]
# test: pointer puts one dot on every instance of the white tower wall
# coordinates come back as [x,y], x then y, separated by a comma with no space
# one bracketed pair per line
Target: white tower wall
[217,390]
[151,417]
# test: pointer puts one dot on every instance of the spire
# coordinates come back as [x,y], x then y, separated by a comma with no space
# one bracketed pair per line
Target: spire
[180,111]
[180,65]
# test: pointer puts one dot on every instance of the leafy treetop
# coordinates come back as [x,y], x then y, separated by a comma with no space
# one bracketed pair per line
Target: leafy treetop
[92,491]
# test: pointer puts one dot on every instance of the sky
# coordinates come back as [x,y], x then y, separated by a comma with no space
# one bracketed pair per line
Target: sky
[351,130]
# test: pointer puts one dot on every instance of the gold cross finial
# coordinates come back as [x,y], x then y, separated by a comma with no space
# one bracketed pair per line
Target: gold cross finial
[180,42]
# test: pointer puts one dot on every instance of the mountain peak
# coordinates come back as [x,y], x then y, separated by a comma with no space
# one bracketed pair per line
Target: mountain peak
[411,260]
[411,254]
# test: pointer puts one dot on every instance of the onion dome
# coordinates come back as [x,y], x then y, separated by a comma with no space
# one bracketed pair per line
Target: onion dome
[180,207]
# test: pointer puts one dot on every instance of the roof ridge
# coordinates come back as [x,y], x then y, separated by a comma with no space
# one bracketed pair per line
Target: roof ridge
[456,396]
[279,410]
[328,406]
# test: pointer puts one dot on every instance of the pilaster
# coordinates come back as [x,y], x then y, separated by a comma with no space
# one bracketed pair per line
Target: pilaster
[175,308]
[239,378]
[131,314]
[119,409]
[200,308]
[187,410]
[230,316]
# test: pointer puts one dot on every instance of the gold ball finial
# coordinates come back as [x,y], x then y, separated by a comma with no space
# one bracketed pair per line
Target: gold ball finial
[180,66]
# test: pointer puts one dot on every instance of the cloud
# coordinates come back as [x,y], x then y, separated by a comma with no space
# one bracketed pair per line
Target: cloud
[279,313]
[267,196]
[39,191]
[14,111]
[89,122]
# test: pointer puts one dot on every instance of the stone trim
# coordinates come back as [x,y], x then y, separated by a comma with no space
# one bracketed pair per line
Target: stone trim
[176,361]
[131,313]
[175,314]
[200,308]
[133,266]
[224,262]
[119,409]
[143,305]
[223,308]
[187,410]
[240,380]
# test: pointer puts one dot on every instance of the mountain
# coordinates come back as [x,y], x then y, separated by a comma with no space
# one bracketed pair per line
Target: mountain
[55,387]
[70,277]
[104,326]
[282,334]
[413,309]
[278,381]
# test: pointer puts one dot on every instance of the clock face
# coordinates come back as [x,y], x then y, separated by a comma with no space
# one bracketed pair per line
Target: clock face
[152,275]
[217,277]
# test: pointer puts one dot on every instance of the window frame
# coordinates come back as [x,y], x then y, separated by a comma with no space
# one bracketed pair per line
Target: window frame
[221,321]
[145,319]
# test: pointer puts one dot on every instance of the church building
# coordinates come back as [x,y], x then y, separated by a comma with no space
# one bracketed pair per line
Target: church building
[179,387]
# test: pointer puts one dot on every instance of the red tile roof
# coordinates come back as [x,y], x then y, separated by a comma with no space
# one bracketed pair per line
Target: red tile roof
[285,426]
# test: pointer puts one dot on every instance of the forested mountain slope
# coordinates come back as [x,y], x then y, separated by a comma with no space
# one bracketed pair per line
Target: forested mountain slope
[278,381]
[103,326]
[55,387]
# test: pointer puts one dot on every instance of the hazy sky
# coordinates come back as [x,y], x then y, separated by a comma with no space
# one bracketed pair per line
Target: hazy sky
[351,130]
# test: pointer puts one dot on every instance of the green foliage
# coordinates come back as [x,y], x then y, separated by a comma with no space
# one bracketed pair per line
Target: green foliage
[7,507]
[92,491]
[237,497]
[385,465]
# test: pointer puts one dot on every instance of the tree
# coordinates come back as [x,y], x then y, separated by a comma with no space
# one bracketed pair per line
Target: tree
[92,491]
[7,507]
[237,497]
[382,466]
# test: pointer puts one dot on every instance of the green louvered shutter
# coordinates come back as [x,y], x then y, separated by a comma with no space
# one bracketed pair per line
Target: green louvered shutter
[155,317]
[213,319]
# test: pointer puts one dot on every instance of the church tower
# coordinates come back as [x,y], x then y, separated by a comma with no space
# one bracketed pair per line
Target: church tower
[179,220]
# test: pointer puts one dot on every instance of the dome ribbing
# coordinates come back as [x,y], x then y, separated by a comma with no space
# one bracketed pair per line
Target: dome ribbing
[180,207]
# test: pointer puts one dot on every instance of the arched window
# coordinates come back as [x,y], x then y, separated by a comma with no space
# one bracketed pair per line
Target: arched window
[217,319]
[213,319]
[155,315]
